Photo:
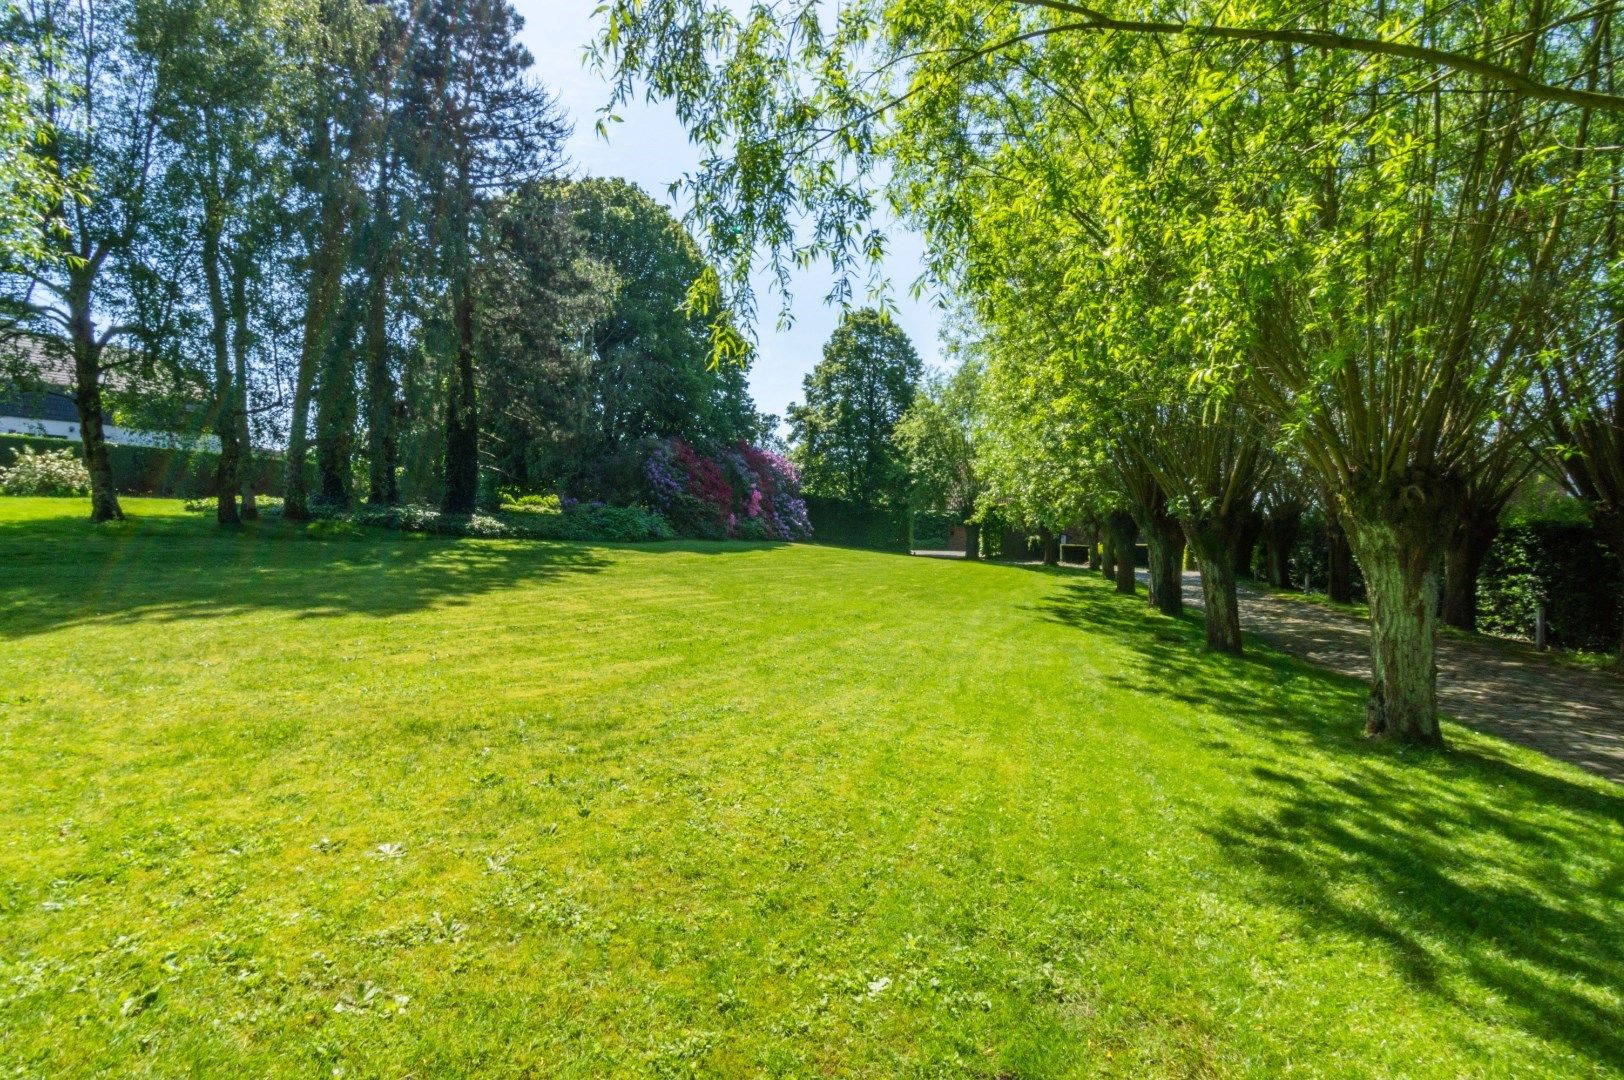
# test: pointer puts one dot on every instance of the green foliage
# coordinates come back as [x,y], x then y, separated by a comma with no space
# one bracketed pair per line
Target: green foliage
[51,472]
[717,809]
[607,524]
[542,504]
[937,437]
[586,346]
[844,433]
[848,524]
[1563,564]
[152,470]
[31,184]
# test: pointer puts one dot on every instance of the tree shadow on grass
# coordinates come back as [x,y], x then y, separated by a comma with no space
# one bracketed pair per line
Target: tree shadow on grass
[59,572]
[1481,873]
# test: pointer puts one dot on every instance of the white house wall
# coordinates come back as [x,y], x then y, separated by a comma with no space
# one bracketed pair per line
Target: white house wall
[19,425]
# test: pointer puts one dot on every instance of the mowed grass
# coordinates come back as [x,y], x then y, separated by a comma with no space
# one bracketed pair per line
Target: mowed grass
[302,802]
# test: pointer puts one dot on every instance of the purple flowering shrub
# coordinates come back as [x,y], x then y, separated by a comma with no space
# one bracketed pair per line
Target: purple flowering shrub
[743,491]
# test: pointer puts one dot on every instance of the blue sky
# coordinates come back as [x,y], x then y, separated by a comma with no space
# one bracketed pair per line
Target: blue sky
[651,149]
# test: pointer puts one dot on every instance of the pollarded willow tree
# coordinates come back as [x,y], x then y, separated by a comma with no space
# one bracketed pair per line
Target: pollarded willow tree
[1389,284]
[1379,216]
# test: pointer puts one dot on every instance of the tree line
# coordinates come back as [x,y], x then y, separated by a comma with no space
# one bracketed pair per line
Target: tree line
[342,228]
[1366,255]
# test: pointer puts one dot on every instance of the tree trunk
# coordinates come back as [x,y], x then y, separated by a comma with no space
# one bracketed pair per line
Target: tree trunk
[225,422]
[1279,537]
[87,397]
[1469,545]
[1051,546]
[326,275]
[1165,542]
[382,487]
[1217,546]
[244,480]
[972,541]
[335,413]
[1339,577]
[462,413]
[1220,604]
[1122,533]
[1400,565]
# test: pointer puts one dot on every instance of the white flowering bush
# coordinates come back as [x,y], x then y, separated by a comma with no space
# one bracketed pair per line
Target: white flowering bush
[55,472]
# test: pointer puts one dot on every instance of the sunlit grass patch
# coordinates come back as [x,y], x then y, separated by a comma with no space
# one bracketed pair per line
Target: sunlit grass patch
[280,803]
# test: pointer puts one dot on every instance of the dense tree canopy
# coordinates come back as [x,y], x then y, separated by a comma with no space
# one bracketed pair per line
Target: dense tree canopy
[334,226]
[1333,236]
[590,348]
[845,431]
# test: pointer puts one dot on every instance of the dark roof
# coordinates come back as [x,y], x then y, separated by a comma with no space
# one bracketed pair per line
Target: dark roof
[40,405]
[53,367]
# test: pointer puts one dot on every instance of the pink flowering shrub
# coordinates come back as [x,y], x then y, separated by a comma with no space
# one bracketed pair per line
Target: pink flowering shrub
[742,491]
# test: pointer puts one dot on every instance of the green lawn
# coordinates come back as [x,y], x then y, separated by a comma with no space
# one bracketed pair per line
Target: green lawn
[291,802]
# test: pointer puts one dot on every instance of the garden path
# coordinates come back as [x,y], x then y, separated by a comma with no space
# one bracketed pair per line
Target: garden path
[1501,687]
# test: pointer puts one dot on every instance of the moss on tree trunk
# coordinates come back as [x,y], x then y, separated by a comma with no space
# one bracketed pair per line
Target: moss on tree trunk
[1400,565]
[1220,604]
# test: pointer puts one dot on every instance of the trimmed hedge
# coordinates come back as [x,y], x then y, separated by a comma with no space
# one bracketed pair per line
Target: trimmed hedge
[1565,562]
[844,524]
[153,470]
[933,531]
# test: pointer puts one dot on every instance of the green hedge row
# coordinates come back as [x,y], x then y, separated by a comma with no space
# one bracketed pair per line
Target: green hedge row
[835,521]
[933,532]
[1566,564]
[153,470]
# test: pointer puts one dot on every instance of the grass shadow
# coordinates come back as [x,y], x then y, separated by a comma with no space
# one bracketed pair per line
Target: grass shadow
[164,568]
[1481,872]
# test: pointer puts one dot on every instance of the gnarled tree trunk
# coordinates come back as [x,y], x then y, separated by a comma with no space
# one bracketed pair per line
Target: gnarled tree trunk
[1399,559]
[1051,546]
[972,540]
[1121,533]
[1217,546]
[1164,541]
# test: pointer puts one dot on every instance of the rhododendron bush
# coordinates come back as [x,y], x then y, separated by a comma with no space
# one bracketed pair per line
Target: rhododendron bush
[743,491]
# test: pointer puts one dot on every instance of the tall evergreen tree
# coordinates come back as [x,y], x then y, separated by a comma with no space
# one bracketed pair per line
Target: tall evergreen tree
[483,126]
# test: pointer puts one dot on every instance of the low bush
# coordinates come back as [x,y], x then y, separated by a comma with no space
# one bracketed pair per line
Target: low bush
[741,492]
[606,524]
[52,472]
[545,504]
[168,472]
